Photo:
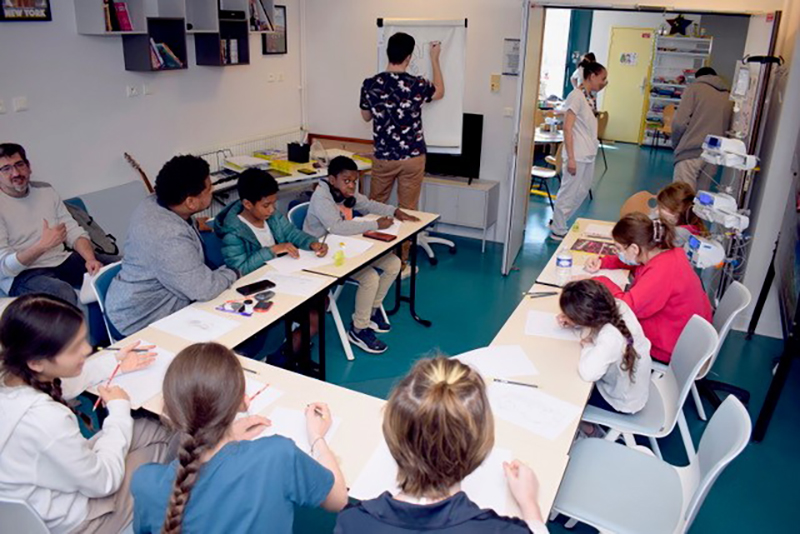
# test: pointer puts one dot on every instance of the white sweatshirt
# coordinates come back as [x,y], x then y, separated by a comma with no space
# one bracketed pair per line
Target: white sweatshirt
[45,460]
[600,363]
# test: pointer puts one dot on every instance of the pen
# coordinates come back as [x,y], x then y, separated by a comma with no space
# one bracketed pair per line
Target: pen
[327,231]
[537,294]
[500,380]
[245,369]
[318,412]
[118,349]
[110,378]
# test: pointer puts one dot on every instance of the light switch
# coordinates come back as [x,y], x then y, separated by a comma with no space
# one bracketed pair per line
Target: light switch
[508,112]
[495,83]
[20,103]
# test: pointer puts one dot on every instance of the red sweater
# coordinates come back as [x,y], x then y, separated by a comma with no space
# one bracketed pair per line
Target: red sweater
[664,295]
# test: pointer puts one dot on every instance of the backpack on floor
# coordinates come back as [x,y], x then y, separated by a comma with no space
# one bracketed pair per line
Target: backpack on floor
[103,243]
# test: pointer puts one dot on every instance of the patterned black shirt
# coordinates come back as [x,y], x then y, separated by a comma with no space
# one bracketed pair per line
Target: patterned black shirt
[395,100]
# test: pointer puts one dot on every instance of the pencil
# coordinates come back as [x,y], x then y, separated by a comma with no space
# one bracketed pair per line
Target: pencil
[327,231]
[257,393]
[537,294]
[119,348]
[500,380]
[110,378]
[245,369]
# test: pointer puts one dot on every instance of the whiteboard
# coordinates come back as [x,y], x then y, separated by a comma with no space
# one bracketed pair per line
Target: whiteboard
[442,120]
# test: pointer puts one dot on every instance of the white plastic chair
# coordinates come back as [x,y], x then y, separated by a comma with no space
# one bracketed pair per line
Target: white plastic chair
[668,393]
[18,516]
[736,298]
[617,489]
[297,216]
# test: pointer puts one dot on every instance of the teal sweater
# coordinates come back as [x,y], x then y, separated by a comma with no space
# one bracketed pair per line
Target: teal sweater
[240,248]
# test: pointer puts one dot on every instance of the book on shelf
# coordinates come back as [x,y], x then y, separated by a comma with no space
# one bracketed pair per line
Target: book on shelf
[123,17]
[171,61]
[112,20]
[156,61]
[107,15]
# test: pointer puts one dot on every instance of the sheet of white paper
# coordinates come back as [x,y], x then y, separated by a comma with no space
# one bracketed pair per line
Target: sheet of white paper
[544,324]
[142,385]
[195,325]
[486,486]
[532,409]
[263,399]
[295,284]
[394,229]
[618,276]
[500,361]
[292,424]
[308,260]
[598,230]
[87,295]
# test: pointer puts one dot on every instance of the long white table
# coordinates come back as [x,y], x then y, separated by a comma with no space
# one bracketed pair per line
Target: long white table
[549,275]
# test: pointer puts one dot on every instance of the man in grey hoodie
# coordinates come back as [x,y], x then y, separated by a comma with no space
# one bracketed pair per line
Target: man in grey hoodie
[705,109]
[164,266]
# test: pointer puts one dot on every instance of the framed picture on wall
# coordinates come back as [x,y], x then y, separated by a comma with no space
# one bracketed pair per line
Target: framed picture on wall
[24,10]
[275,42]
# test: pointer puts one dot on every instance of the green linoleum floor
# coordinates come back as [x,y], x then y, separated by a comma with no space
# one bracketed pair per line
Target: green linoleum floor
[468,301]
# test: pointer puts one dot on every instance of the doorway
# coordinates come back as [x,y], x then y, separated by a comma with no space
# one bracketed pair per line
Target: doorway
[630,107]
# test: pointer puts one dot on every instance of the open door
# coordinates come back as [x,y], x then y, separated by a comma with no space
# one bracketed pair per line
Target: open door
[527,100]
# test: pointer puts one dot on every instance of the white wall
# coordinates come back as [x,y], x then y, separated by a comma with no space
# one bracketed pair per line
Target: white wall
[554,52]
[342,51]
[604,21]
[80,120]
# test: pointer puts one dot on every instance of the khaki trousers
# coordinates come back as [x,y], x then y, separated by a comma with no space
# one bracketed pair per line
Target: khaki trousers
[696,172]
[151,442]
[373,287]
[408,173]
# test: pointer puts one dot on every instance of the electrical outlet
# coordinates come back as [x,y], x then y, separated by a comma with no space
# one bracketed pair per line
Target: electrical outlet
[280,76]
[494,83]
[271,77]
[147,89]
[508,112]
[2,107]
[20,103]
[131,91]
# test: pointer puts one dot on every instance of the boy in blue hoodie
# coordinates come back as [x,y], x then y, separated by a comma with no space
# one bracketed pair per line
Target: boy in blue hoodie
[254,232]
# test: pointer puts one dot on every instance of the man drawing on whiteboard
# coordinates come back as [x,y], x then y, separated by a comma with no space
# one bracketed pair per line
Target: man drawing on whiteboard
[393,101]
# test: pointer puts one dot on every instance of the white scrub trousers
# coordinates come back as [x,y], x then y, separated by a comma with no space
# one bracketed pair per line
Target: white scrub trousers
[573,191]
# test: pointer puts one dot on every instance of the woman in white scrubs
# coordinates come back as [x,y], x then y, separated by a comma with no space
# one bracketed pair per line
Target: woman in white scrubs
[580,147]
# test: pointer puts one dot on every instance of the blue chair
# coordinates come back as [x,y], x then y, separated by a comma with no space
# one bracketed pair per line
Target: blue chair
[212,247]
[297,214]
[100,284]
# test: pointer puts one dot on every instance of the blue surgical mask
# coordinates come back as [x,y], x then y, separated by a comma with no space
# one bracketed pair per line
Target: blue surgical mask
[626,261]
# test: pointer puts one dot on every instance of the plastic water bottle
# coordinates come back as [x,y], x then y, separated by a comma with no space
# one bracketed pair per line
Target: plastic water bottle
[338,256]
[563,266]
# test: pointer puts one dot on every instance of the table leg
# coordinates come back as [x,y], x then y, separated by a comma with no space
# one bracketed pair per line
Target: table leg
[307,365]
[321,334]
[412,298]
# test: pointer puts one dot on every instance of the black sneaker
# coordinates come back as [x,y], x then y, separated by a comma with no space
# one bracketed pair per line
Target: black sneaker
[366,341]
[378,323]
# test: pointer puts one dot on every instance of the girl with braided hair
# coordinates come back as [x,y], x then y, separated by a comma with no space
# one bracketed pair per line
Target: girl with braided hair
[666,292]
[224,480]
[74,484]
[675,203]
[616,353]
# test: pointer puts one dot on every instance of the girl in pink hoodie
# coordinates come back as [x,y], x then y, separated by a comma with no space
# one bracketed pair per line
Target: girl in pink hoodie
[666,292]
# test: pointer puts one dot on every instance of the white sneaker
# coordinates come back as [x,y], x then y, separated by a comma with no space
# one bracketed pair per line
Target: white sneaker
[406,272]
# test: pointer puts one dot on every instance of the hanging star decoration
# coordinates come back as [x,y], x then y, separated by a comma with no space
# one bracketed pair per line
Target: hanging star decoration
[678,25]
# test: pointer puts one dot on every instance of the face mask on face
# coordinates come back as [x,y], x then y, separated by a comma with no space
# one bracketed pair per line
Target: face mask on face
[626,261]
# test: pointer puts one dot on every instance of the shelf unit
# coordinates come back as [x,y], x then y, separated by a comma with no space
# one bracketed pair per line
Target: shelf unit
[169,21]
[675,60]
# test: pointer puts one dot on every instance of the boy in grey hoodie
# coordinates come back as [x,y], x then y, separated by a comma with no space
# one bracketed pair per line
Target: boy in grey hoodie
[164,266]
[705,109]
[331,210]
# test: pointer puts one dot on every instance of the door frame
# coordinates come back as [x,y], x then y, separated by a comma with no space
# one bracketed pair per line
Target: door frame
[536,66]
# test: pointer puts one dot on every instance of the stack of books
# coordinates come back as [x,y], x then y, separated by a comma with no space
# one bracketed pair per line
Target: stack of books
[162,57]
[117,17]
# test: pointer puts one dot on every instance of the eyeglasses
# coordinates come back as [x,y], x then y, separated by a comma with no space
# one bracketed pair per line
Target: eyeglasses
[20,166]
